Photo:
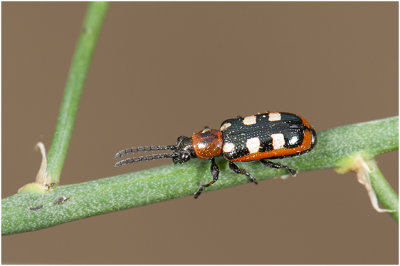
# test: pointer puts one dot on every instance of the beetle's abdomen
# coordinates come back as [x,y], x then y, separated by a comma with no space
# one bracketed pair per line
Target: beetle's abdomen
[267,135]
[207,143]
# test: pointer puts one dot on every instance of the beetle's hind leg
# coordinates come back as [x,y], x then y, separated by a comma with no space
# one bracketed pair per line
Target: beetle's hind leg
[214,172]
[241,171]
[278,165]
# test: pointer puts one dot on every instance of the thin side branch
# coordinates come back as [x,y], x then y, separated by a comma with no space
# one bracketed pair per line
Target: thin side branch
[73,89]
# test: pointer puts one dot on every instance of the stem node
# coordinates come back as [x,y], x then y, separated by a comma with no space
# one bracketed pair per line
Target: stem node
[42,183]
[364,166]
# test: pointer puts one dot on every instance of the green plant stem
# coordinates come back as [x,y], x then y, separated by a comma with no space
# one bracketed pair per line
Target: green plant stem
[384,192]
[73,89]
[172,181]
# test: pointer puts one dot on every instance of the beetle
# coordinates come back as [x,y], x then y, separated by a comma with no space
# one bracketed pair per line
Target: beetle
[270,135]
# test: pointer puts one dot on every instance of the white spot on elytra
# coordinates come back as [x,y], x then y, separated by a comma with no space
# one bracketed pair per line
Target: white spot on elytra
[225,126]
[293,140]
[253,145]
[277,141]
[274,117]
[228,147]
[249,120]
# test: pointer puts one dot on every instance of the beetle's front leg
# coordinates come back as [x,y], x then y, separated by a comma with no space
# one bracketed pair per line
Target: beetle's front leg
[214,172]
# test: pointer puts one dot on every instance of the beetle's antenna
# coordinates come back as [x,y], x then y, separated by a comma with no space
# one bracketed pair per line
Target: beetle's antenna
[146,158]
[144,148]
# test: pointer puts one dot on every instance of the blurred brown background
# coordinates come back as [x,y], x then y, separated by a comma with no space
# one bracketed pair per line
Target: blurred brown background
[162,70]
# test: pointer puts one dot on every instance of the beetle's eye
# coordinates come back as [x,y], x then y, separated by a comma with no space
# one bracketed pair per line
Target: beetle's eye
[185,156]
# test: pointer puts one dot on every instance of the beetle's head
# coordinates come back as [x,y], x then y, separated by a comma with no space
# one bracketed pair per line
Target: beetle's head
[183,150]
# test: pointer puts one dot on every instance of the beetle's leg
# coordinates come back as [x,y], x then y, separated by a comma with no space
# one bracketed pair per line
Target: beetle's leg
[241,171]
[215,173]
[278,165]
[239,117]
